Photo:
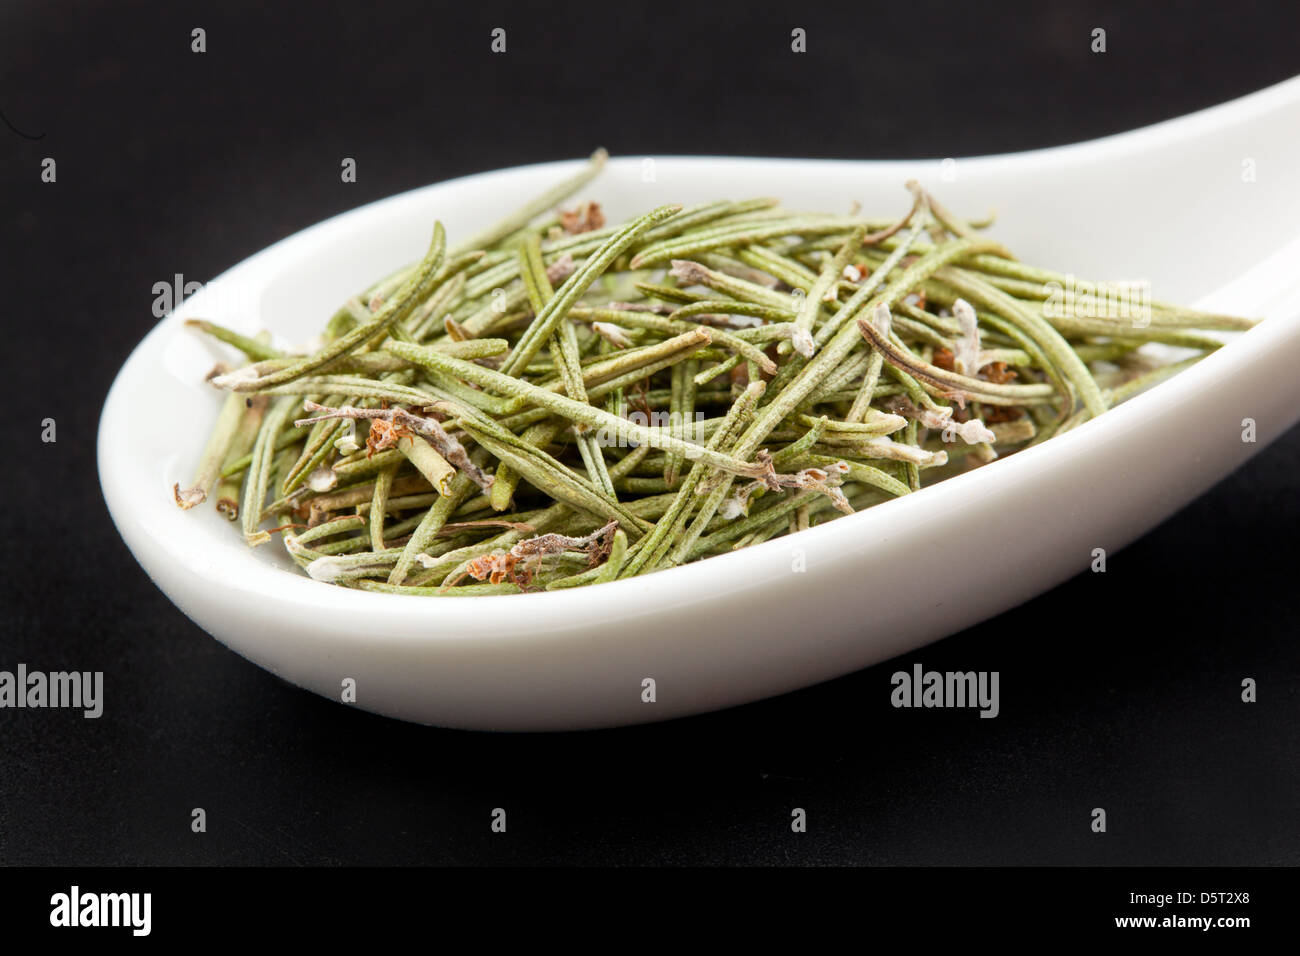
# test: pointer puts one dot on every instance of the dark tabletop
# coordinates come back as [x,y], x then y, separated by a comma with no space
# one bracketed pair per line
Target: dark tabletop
[1119,691]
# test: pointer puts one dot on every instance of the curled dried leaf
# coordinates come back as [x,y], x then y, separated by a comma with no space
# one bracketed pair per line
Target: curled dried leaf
[586,217]
[521,563]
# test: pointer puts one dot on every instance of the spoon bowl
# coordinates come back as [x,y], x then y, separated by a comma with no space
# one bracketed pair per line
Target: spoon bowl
[1203,207]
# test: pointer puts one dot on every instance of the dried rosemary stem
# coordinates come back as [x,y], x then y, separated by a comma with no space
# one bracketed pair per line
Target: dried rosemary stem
[214,454]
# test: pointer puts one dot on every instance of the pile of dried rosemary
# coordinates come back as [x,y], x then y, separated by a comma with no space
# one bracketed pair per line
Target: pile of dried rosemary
[557,402]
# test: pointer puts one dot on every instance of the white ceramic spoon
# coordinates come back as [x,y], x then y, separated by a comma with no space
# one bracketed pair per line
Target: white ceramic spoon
[1206,207]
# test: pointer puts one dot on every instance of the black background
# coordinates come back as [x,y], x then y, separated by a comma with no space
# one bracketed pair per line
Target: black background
[1118,691]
